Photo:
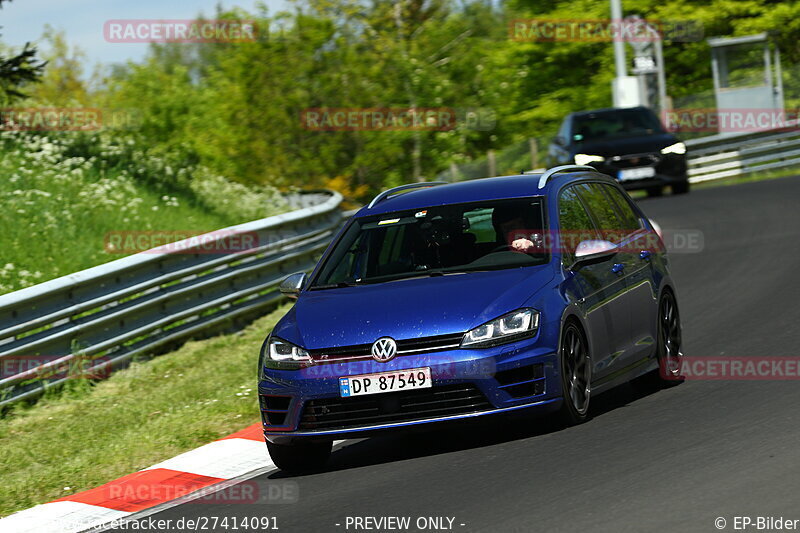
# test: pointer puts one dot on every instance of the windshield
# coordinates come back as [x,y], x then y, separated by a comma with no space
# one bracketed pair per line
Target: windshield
[437,241]
[618,123]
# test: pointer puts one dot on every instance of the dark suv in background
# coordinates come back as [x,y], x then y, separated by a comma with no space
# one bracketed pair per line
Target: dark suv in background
[630,145]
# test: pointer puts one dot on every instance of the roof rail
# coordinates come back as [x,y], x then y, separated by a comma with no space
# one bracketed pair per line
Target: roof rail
[564,168]
[385,194]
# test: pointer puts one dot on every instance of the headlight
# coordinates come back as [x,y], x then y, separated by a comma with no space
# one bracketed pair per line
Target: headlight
[508,328]
[585,159]
[677,148]
[277,353]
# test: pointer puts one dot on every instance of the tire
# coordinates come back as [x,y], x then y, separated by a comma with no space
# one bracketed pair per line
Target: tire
[576,375]
[654,192]
[300,458]
[680,188]
[668,348]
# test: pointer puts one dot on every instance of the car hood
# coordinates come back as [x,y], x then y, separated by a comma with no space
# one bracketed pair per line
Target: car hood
[626,145]
[407,309]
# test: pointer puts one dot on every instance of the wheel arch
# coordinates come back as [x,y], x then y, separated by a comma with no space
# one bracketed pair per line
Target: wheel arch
[572,313]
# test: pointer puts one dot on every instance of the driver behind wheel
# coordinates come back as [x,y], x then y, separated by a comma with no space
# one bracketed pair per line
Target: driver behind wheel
[513,228]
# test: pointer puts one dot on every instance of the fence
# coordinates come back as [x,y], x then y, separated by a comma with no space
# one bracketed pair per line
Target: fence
[724,156]
[100,318]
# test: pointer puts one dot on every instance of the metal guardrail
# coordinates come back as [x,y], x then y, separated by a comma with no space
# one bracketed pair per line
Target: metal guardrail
[98,319]
[726,155]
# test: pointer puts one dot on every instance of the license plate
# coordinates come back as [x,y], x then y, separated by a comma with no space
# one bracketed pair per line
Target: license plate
[414,378]
[636,173]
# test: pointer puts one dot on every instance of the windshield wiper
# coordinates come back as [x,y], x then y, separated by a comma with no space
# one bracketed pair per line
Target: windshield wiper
[421,273]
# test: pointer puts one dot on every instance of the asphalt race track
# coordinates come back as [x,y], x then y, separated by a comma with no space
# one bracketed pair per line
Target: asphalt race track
[672,460]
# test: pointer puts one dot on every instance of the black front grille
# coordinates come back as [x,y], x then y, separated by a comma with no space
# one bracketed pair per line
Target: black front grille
[631,161]
[404,347]
[340,413]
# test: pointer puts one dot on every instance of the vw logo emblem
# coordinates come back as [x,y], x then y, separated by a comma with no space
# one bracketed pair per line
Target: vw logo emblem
[384,349]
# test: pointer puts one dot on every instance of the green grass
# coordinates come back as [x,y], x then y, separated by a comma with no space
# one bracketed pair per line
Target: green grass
[89,433]
[57,209]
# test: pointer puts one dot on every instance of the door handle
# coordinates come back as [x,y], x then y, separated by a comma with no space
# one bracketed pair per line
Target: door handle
[645,254]
[617,268]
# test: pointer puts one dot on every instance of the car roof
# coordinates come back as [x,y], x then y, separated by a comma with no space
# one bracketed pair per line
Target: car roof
[499,188]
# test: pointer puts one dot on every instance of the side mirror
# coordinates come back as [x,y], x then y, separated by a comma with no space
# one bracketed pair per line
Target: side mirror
[593,250]
[656,228]
[292,285]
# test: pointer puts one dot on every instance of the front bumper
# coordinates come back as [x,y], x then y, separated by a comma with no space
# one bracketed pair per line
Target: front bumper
[306,403]
[669,169]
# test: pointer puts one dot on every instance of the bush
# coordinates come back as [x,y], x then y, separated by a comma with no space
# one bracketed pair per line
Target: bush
[71,189]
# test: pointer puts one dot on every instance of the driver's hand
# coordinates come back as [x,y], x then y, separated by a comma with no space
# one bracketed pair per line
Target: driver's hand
[522,245]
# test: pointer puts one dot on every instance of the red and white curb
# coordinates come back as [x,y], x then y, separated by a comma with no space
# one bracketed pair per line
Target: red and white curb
[234,456]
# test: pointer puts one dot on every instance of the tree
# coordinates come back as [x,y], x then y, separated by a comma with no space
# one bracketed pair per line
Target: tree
[18,70]
[63,83]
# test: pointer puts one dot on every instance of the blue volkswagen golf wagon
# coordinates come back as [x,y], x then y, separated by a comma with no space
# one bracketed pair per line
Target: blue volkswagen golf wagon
[439,302]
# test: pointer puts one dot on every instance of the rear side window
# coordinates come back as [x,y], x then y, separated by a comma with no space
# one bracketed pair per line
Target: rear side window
[630,220]
[574,222]
[604,212]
